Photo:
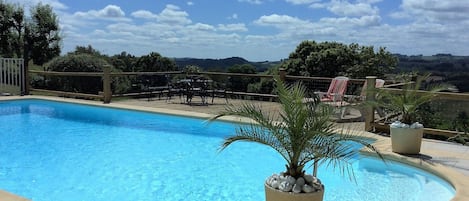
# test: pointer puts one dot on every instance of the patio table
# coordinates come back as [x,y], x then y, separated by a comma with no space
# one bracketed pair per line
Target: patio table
[195,87]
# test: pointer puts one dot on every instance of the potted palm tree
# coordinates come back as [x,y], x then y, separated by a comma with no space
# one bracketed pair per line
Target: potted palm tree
[406,132]
[303,135]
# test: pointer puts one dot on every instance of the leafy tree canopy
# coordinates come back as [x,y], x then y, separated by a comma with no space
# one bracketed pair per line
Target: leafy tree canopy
[154,62]
[240,83]
[11,27]
[86,50]
[76,63]
[42,34]
[35,37]
[330,59]
[124,61]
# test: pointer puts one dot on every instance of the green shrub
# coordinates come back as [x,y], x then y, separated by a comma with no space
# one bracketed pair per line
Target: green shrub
[81,63]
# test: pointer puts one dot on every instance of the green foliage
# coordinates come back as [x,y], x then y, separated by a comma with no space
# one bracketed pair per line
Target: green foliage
[87,50]
[191,69]
[408,102]
[452,69]
[331,59]
[304,134]
[240,83]
[430,115]
[265,85]
[36,37]
[461,124]
[124,61]
[76,63]
[42,34]
[81,63]
[154,62]
[11,27]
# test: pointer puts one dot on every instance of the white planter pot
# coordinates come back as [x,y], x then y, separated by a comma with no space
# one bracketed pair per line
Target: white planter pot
[272,194]
[406,140]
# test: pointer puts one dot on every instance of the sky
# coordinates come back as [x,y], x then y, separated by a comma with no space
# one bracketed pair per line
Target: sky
[259,30]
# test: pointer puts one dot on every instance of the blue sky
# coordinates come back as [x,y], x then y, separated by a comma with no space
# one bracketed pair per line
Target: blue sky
[260,30]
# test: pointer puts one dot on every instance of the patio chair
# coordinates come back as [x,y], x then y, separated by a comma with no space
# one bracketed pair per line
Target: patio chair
[336,91]
[354,98]
[355,101]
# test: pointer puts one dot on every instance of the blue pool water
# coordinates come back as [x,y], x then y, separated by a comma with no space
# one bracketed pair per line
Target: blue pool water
[61,151]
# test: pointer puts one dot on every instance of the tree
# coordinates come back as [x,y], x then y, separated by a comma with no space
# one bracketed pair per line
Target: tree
[124,61]
[82,63]
[5,16]
[76,63]
[11,27]
[42,35]
[240,83]
[330,59]
[265,85]
[368,62]
[154,62]
[34,38]
[86,50]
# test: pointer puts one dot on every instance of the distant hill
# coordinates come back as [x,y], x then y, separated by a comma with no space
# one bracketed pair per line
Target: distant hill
[451,69]
[439,63]
[222,64]
[445,67]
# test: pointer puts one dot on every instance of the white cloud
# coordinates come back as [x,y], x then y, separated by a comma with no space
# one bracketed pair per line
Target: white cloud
[144,14]
[318,5]
[170,15]
[190,3]
[344,8]
[448,11]
[279,20]
[233,16]
[201,27]
[299,2]
[240,27]
[369,1]
[252,1]
[428,28]
[110,12]
[364,21]
[173,15]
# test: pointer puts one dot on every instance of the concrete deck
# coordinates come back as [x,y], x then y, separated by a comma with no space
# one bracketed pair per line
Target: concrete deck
[447,160]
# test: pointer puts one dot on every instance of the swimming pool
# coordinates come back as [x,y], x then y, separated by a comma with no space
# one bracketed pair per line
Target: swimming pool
[62,151]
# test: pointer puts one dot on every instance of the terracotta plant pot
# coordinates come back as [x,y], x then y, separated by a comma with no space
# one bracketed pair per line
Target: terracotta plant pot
[272,194]
[406,140]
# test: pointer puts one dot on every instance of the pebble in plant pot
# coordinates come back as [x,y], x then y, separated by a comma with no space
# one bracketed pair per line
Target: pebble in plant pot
[305,184]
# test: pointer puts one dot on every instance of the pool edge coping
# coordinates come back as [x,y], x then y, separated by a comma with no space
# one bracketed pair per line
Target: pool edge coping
[458,180]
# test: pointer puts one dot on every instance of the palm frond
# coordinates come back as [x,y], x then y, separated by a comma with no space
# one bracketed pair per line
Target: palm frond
[304,134]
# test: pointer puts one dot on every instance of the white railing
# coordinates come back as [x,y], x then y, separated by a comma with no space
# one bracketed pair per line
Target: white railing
[11,76]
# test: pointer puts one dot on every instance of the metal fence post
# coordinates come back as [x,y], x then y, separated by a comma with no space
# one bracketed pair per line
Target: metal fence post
[370,96]
[107,94]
